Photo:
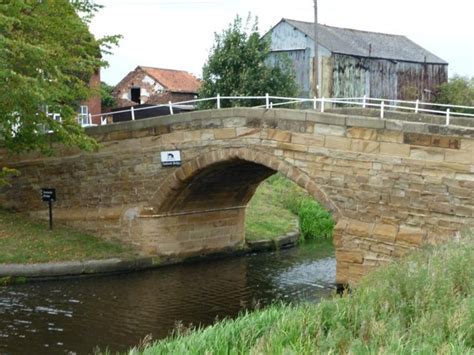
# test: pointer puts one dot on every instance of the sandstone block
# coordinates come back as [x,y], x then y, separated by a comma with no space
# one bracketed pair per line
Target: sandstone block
[396,149]
[385,232]
[368,122]
[175,137]
[459,156]
[341,143]
[224,133]
[358,228]
[362,133]
[365,146]
[417,139]
[390,136]
[410,235]
[278,135]
[290,146]
[445,142]
[349,256]
[309,140]
[427,153]
[467,144]
[326,118]
[329,130]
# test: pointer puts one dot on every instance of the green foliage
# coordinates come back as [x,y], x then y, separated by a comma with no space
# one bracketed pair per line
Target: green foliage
[458,91]
[266,216]
[315,221]
[275,206]
[423,304]
[47,56]
[236,67]
[108,101]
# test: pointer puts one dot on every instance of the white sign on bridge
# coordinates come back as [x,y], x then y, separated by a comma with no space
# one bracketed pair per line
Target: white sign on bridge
[171,158]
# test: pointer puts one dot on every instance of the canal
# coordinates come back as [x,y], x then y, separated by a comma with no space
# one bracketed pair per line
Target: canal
[116,312]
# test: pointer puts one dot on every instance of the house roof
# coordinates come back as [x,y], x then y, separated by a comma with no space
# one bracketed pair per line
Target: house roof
[361,43]
[174,80]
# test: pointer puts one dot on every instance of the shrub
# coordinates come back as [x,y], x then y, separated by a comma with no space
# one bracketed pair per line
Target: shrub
[315,221]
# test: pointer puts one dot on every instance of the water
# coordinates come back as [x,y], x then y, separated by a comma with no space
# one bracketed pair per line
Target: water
[116,312]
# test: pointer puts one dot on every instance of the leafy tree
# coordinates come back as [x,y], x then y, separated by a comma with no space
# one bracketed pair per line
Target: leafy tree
[237,67]
[47,56]
[458,91]
[107,99]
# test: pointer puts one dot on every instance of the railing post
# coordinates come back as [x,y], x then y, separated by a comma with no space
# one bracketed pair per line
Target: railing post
[90,118]
[133,113]
[448,111]
[364,101]
[218,101]
[271,104]
[171,107]
[322,104]
[417,105]
[382,108]
[267,101]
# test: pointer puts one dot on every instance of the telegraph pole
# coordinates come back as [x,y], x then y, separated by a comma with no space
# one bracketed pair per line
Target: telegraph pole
[316,53]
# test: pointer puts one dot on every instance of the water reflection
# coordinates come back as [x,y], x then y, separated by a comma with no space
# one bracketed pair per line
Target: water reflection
[117,311]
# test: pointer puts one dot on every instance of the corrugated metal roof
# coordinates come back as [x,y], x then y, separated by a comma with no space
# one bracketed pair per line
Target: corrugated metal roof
[365,44]
[174,80]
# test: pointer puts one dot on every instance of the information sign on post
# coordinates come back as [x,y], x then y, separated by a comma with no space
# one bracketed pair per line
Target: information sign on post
[49,195]
[171,158]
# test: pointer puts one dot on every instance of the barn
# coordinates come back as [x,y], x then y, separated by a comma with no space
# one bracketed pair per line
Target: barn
[354,63]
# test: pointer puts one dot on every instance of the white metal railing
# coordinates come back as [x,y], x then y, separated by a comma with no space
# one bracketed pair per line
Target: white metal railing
[320,104]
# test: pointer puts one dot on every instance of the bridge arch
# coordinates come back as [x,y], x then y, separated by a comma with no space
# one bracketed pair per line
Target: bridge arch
[200,207]
[178,186]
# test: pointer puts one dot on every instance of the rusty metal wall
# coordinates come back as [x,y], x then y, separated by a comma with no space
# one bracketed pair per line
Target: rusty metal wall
[382,78]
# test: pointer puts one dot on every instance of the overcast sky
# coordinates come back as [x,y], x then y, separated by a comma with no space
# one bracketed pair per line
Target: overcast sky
[179,34]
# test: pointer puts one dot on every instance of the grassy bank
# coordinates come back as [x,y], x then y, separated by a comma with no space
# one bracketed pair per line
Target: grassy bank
[422,304]
[25,240]
[279,205]
[274,211]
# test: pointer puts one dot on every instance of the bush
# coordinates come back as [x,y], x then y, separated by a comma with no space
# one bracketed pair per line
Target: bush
[277,194]
[458,91]
[315,221]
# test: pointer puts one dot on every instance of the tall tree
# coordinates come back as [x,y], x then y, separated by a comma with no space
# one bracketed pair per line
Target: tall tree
[237,67]
[47,56]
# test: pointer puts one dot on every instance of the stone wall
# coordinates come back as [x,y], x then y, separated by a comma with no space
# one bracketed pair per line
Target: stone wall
[391,185]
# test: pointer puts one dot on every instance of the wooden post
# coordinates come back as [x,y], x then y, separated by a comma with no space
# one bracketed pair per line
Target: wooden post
[316,52]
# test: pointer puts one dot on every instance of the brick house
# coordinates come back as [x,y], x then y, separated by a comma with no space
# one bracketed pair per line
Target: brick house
[93,105]
[147,85]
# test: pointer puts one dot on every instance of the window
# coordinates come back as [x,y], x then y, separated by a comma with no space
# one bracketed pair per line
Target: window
[83,117]
[135,95]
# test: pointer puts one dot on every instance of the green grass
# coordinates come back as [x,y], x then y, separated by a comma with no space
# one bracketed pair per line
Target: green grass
[267,217]
[279,205]
[422,304]
[25,240]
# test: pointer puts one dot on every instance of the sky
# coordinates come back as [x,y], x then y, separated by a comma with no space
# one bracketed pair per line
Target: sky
[179,34]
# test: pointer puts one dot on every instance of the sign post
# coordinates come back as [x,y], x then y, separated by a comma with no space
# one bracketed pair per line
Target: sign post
[49,195]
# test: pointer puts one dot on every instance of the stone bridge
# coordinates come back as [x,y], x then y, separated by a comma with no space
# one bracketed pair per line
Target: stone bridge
[391,184]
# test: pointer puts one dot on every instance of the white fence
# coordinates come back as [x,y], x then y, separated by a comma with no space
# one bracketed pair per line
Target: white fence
[269,102]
